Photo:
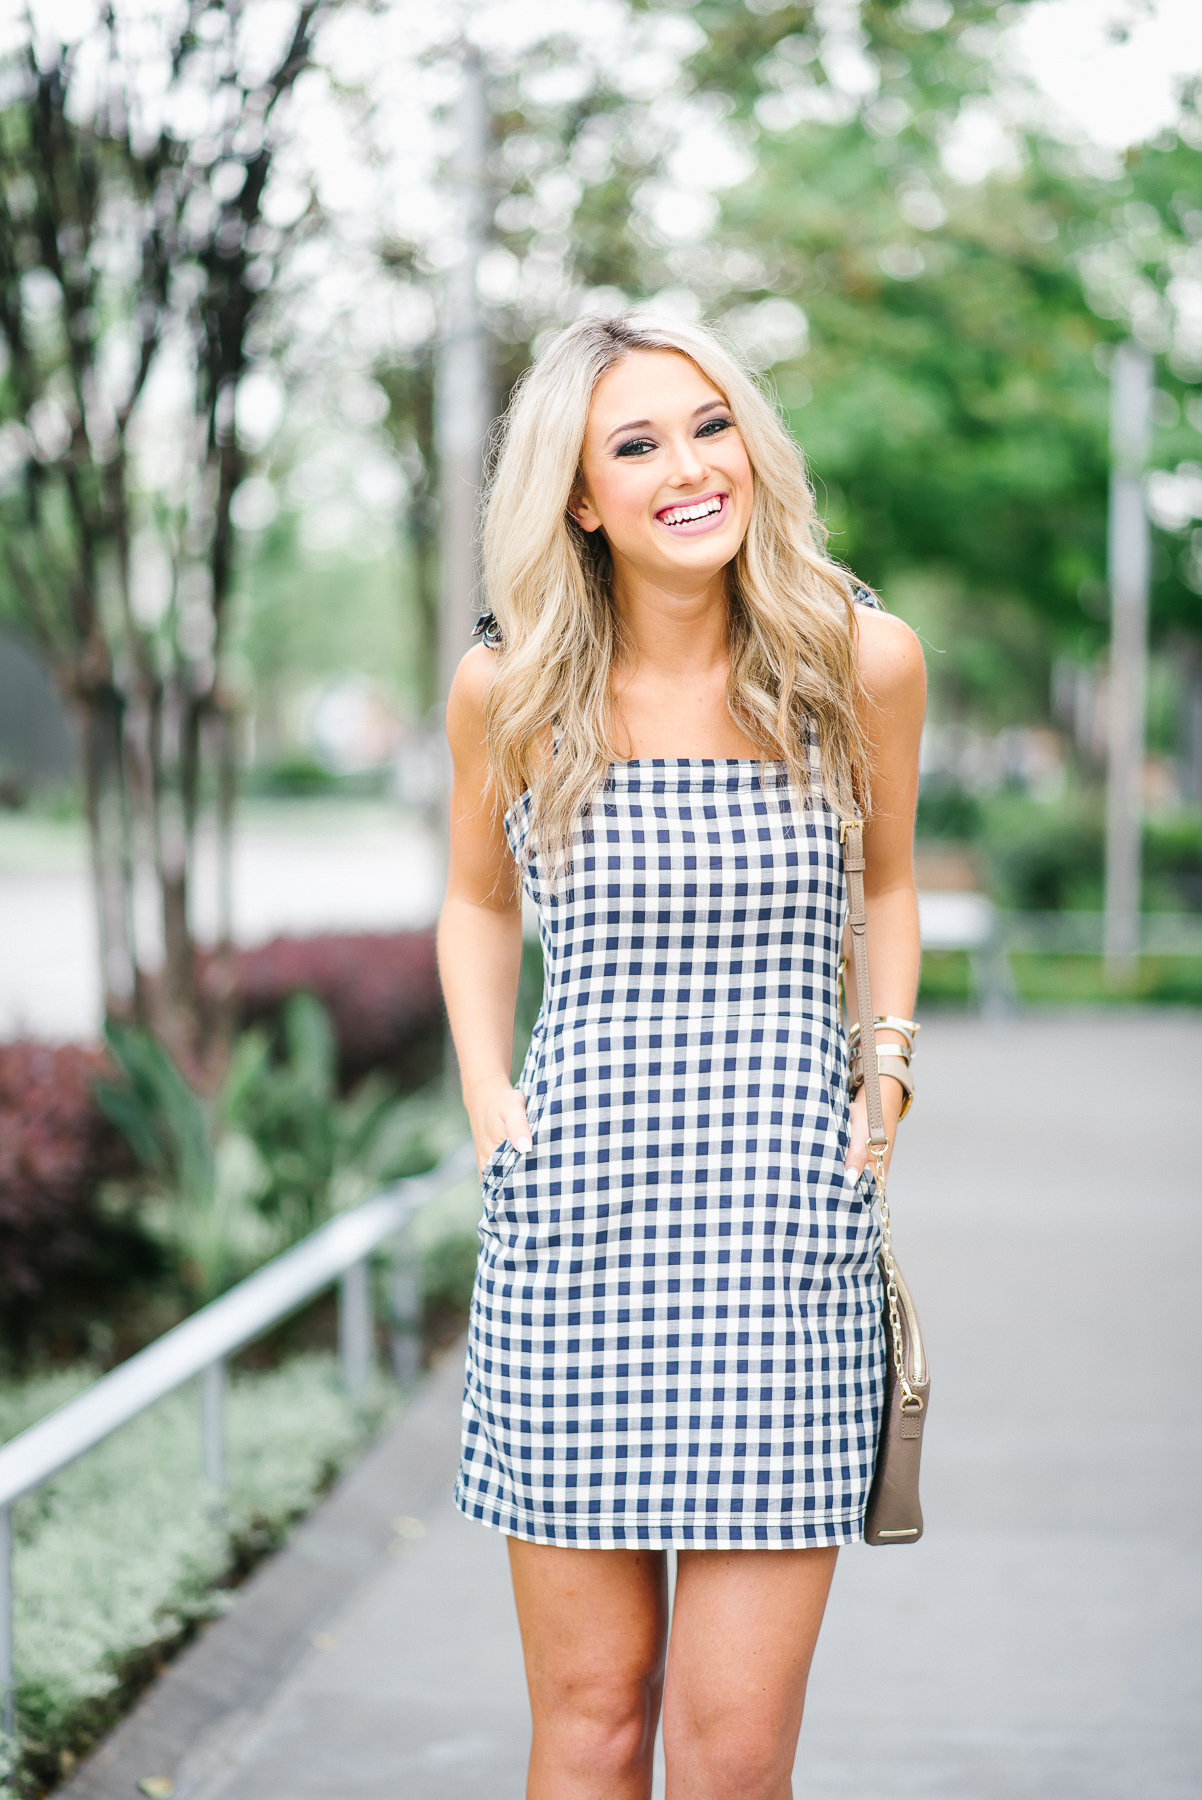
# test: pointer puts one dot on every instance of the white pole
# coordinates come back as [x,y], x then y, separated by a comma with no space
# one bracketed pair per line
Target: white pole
[212,1424]
[8,1679]
[463,393]
[356,1346]
[1128,560]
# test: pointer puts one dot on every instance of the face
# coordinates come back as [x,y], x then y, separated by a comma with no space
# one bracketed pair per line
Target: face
[665,474]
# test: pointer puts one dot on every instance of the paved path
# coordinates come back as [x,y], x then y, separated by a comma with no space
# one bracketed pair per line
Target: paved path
[1043,1642]
[298,869]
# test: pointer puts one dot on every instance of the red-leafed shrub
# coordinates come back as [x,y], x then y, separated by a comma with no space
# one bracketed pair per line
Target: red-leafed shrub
[68,1262]
[63,1259]
[382,993]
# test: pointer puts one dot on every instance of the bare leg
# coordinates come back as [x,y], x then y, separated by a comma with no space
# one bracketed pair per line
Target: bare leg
[594,1624]
[744,1627]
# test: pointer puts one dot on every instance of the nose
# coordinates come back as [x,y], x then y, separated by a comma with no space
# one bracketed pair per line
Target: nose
[687,465]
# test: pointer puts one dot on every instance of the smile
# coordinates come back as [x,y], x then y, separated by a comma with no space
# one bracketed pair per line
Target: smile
[693,512]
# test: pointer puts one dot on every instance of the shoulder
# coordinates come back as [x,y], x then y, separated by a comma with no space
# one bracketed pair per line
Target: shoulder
[469,694]
[890,658]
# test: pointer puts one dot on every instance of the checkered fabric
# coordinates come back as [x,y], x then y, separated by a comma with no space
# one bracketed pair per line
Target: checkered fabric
[675,1333]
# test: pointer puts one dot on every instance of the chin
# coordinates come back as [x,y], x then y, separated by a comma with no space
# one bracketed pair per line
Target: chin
[709,552]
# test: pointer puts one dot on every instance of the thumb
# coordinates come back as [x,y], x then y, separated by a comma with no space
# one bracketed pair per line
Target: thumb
[857,1151]
[517,1129]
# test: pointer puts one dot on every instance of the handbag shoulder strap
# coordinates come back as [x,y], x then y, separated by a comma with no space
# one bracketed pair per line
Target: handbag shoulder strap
[851,836]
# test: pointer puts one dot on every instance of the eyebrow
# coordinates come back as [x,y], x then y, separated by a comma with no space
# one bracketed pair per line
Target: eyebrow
[642,424]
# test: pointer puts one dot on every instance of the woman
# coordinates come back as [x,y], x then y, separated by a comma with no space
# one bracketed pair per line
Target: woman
[675,1335]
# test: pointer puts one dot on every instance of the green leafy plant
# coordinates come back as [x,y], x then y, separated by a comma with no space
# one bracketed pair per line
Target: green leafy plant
[320,1152]
[238,1176]
[206,1179]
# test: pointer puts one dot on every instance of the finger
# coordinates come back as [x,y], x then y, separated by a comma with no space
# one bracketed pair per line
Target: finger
[857,1150]
[517,1128]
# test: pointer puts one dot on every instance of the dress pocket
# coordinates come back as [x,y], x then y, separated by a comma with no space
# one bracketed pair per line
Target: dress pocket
[539,1082]
[498,1165]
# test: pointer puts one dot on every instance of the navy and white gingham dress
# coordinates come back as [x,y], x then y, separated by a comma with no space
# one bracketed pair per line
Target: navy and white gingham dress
[675,1332]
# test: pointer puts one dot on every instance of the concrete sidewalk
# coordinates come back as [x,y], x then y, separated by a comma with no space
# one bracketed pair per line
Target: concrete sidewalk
[1043,1642]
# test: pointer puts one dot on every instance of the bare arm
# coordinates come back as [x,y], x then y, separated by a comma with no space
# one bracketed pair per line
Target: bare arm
[480,930]
[894,677]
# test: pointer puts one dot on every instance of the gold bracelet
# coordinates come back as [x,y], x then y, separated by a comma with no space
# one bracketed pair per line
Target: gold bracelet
[906,1027]
[900,1073]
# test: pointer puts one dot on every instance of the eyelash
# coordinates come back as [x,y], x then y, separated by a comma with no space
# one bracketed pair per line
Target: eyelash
[635,446]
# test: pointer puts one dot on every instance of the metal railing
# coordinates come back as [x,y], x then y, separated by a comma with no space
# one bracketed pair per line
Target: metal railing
[338,1252]
[970,922]
[1084,933]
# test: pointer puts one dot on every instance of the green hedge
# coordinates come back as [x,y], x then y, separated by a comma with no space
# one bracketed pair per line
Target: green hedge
[117,1561]
[1038,856]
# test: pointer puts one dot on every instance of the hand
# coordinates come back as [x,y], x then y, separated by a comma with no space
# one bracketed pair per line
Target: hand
[497,1111]
[892,1096]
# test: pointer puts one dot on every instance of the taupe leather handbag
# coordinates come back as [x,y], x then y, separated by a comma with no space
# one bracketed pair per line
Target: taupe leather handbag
[893,1515]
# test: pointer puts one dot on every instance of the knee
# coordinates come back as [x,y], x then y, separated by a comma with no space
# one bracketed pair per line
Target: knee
[746,1768]
[730,1758]
[599,1724]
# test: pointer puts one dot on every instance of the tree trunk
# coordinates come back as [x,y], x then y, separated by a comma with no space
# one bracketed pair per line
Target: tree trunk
[108,832]
[172,856]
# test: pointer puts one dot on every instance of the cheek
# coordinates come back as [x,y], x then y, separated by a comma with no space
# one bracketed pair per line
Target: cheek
[737,466]
[621,497]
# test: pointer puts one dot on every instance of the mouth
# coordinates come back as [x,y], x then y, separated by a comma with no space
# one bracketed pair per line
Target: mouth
[689,517]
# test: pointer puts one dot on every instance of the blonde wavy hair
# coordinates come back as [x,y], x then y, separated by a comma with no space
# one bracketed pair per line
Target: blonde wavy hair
[791,626]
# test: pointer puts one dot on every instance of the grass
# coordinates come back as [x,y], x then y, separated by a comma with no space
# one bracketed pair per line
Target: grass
[1076,980]
[119,1560]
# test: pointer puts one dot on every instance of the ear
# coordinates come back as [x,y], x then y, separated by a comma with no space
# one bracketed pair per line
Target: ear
[581,508]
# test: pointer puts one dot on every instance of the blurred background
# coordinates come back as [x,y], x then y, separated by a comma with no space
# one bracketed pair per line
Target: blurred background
[267,274]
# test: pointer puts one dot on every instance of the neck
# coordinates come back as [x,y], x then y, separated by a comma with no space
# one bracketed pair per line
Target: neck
[673,628]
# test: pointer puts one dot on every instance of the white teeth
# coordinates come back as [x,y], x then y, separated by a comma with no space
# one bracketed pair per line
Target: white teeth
[684,515]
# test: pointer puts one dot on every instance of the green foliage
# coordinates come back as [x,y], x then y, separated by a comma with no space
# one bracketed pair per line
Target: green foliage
[448,1274]
[988,655]
[1043,856]
[946,979]
[319,1152]
[205,1179]
[237,1178]
[300,618]
[291,777]
[949,399]
[1082,981]
[118,1560]
[947,810]
[1173,863]
[1056,980]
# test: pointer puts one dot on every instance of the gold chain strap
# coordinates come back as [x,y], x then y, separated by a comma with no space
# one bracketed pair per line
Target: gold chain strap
[895,1329]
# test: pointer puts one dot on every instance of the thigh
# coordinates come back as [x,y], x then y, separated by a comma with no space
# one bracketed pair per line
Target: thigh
[744,1627]
[589,1618]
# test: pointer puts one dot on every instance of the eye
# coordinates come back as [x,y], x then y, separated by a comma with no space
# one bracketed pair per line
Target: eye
[712,427]
[634,447]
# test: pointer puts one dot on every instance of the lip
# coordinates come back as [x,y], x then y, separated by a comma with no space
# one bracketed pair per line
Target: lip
[695,527]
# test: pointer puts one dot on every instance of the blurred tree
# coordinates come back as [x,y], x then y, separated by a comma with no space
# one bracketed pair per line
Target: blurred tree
[960,280]
[943,378]
[931,283]
[134,254]
[580,125]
